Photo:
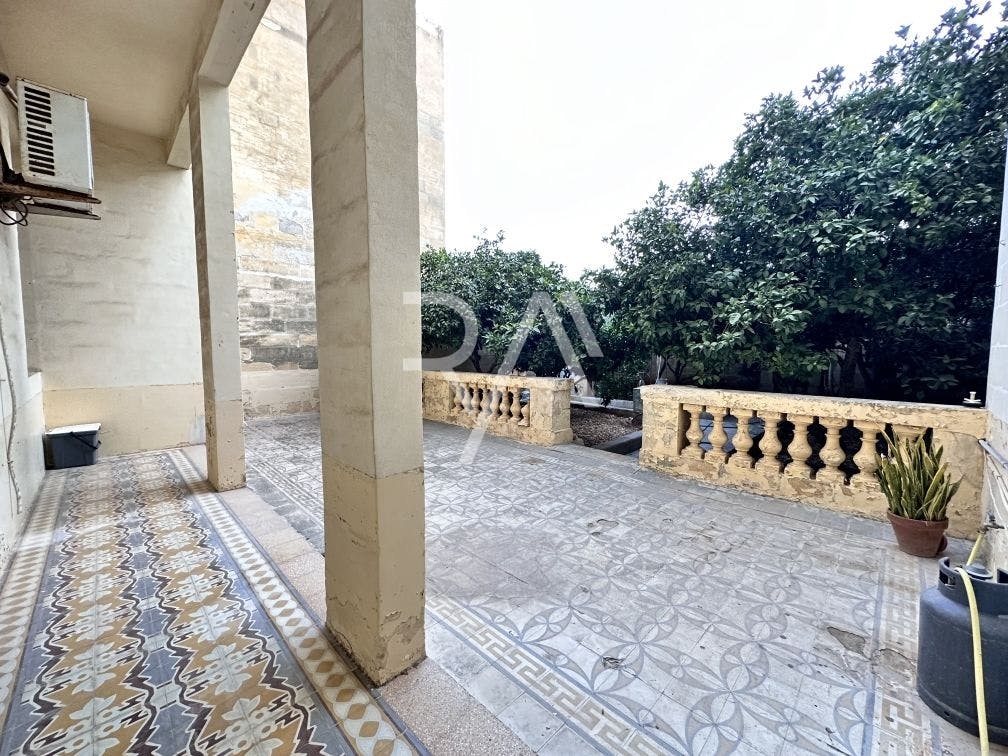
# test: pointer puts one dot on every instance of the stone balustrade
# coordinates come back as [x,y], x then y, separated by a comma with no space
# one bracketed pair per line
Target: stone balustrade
[811,449]
[534,410]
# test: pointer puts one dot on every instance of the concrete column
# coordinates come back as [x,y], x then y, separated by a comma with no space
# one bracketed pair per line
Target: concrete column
[217,279]
[362,108]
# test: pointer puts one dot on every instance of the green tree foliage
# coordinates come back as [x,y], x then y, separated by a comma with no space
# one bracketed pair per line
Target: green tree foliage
[497,284]
[624,355]
[851,236]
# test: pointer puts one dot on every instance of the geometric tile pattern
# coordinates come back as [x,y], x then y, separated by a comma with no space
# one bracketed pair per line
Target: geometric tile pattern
[585,712]
[284,470]
[19,590]
[365,720]
[160,628]
[642,614]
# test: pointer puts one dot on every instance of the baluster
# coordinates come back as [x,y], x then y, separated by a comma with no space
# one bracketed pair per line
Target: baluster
[770,444]
[743,441]
[864,457]
[526,410]
[456,398]
[515,404]
[718,437]
[831,454]
[799,448]
[484,403]
[694,434]
[495,401]
[472,400]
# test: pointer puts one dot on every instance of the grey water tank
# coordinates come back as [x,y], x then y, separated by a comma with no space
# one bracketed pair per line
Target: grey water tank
[945,650]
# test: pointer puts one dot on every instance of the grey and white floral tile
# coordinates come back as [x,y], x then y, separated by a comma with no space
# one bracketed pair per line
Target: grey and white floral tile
[606,607]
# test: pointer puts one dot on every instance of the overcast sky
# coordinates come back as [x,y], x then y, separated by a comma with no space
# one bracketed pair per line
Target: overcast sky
[563,115]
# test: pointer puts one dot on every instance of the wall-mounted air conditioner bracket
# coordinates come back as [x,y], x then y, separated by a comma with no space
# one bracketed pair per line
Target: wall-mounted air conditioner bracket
[27,192]
[34,200]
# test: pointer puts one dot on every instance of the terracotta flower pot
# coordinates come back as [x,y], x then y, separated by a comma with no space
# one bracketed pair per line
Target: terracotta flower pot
[923,538]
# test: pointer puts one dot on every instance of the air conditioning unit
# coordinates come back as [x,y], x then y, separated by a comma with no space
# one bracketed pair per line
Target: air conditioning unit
[55,138]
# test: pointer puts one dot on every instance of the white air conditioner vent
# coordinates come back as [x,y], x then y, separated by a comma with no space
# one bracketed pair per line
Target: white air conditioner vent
[55,138]
[38,135]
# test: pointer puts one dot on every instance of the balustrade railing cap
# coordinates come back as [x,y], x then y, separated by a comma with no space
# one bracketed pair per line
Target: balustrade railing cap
[497,379]
[966,420]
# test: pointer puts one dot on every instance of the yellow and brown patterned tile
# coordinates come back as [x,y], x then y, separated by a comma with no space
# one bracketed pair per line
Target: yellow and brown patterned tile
[139,617]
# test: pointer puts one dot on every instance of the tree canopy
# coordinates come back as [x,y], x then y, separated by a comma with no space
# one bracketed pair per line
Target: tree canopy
[848,245]
[850,239]
[497,284]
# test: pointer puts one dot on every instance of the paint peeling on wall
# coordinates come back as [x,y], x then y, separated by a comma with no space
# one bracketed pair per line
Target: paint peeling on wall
[273,220]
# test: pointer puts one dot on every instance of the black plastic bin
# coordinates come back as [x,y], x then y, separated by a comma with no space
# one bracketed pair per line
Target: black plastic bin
[72,445]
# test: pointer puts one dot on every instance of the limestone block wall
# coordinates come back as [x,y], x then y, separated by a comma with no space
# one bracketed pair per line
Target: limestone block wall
[111,307]
[273,216]
[271,158]
[430,133]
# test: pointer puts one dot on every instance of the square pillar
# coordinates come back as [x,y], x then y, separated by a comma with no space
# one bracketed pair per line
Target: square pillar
[217,280]
[362,108]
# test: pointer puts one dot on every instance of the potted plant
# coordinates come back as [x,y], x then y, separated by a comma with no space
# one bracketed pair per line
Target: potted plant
[918,487]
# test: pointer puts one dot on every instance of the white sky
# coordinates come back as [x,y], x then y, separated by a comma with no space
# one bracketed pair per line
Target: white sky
[561,116]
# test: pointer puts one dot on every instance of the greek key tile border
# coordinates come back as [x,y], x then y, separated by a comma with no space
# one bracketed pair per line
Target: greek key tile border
[900,725]
[361,717]
[603,727]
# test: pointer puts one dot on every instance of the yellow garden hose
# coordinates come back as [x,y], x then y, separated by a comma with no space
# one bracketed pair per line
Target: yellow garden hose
[976,548]
[978,680]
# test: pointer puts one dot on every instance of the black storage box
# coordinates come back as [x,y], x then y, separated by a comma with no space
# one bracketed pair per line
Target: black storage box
[72,445]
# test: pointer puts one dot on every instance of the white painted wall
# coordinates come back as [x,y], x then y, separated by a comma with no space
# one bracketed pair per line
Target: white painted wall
[20,409]
[111,306]
[20,398]
[996,500]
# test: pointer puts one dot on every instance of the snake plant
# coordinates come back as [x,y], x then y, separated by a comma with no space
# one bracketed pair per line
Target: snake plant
[914,479]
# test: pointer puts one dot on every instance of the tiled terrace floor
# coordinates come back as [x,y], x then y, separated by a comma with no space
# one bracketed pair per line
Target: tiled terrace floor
[591,606]
[138,616]
[594,606]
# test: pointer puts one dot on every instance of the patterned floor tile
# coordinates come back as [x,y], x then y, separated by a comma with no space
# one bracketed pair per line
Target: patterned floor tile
[137,616]
[647,615]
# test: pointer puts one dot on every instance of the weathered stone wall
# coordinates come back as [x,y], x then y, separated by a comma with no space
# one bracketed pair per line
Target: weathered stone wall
[273,220]
[273,217]
[996,498]
[430,133]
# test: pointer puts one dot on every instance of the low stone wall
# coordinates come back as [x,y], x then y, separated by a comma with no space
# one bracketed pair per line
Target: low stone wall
[816,450]
[279,392]
[534,410]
